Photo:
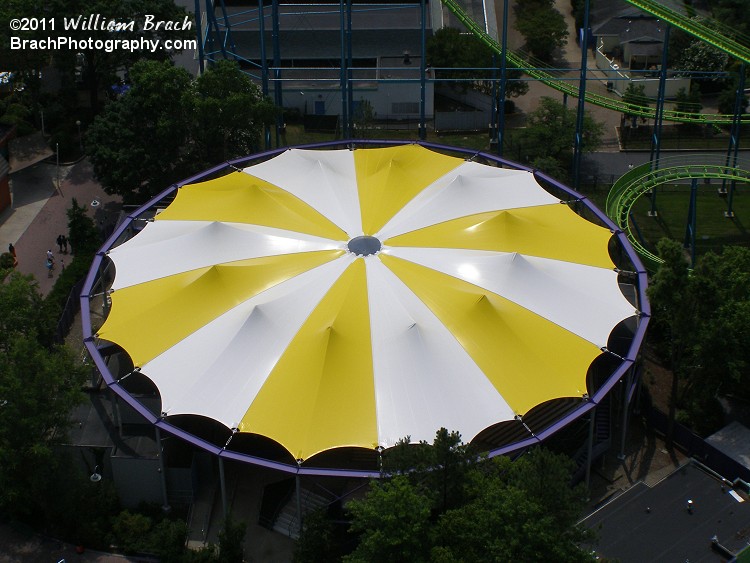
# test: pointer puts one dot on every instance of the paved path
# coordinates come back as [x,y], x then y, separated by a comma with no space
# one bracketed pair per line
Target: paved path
[21,547]
[39,214]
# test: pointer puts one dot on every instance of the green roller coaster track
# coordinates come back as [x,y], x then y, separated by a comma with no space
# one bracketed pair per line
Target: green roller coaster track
[688,25]
[694,28]
[642,179]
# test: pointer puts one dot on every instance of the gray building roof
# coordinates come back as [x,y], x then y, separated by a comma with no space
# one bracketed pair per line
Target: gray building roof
[734,441]
[653,523]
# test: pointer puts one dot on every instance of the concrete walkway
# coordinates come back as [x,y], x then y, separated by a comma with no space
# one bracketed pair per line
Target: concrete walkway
[39,214]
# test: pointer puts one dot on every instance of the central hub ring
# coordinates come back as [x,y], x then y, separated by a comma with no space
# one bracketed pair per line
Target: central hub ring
[364,245]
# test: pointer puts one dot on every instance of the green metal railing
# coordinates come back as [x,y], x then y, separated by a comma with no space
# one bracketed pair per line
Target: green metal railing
[694,28]
[642,179]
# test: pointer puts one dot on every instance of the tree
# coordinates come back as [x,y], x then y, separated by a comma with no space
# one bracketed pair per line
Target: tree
[542,26]
[39,386]
[168,126]
[508,516]
[733,14]
[728,97]
[688,102]
[231,538]
[83,237]
[443,503]
[230,114]
[549,135]
[448,49]
[394,520]
[700,329]
[138,144]
[672,309]
[635,94]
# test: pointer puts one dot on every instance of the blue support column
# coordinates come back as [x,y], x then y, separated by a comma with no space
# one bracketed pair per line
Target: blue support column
[658,118]
[342,70]
[422,71]
[692,221]
[263,64]
[228,27]
[199,33]
[734,140]
[212,24]
[278,97]
[349,87]
[494,94]
[578,149]
[503,81]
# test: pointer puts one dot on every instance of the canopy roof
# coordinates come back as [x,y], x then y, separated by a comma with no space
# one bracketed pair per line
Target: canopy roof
[330,298]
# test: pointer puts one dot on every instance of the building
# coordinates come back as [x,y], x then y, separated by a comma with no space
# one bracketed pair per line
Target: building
[378,45]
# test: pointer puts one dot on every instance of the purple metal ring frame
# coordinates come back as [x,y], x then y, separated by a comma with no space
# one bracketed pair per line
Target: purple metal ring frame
[627,363]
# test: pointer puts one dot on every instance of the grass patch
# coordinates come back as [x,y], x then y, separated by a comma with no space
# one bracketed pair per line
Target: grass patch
[296,135]
[713,230]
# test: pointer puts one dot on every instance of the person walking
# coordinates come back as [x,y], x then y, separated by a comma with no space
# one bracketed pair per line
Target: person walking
[59,241]
[50,264]
[12,251]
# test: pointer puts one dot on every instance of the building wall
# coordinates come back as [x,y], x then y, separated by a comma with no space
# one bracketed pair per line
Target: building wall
[390,101]
[5,200]
[137,480]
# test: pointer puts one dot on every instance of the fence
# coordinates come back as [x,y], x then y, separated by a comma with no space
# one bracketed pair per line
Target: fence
[72,306]
[697,447]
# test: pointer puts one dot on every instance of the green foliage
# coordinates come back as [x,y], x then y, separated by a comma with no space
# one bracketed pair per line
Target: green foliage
[548,137]
[138,144]
[449,48]
[508,516]
[83,236]
[701,329]
[394,520]
[702,57]
[442,503]
[363,119]
[20,303]
[39,386]
[727,100]
[319,542]
[733,14]
[231,542]
[168,126]
[635,94]
[224,98]
[542,26]
[7,262]
[689,102]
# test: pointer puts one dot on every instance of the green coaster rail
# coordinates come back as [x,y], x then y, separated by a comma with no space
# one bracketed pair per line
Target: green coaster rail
[694,28]
[642,179]
[545,76]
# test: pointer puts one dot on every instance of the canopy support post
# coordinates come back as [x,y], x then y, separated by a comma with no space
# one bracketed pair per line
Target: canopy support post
[625,405]
[581,113]
[298,486]
[659,117]
[592,420]
[422,71]
[223,485]
[500,139]
[160,456]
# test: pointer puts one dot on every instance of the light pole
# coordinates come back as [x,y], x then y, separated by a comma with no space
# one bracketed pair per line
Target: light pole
[57,152]
[80,140]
